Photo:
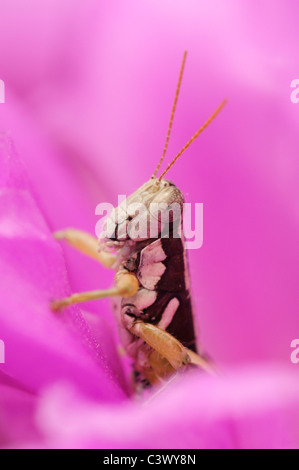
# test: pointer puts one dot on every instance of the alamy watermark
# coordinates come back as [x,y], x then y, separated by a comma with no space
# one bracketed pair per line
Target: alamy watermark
[295,353]
[295,92]
[2,352]
[138,221]
[2,91]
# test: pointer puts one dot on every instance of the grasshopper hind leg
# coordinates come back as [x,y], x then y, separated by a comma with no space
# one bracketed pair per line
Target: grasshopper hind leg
[168,354]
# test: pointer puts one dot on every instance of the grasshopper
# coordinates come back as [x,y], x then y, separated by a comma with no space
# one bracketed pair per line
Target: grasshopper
[152,305]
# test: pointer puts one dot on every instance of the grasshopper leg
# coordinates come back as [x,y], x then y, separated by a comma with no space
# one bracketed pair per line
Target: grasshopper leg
[126,285]
[87,244]
[162,342]
[201,362]
[168,346]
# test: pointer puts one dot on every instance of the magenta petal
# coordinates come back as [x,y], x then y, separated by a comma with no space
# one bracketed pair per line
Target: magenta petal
[17,417]
[248,409]
[42,347]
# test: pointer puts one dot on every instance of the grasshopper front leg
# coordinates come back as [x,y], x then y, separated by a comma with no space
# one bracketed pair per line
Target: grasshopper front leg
[126,285]
[87,244]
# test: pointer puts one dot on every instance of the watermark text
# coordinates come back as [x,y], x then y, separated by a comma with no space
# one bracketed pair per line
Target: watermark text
[2,352]
[295,352]
[295,92]
[138,221]
[2,91]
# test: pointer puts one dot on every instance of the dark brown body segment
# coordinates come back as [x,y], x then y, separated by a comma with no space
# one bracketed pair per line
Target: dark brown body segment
[173,284]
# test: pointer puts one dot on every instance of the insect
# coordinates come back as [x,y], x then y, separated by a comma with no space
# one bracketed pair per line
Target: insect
[152,305]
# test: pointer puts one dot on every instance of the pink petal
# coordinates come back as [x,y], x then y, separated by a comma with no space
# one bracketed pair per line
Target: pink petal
[253,408]
[42,347]
[17,414]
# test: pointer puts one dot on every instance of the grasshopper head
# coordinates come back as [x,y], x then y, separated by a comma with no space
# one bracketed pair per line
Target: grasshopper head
[150,212]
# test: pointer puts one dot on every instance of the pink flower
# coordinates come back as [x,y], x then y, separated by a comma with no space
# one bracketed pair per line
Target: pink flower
[89,89]
[251,409]
[42,347]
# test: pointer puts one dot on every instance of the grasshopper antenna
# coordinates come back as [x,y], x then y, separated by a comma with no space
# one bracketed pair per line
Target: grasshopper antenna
[172,114]
[194,137]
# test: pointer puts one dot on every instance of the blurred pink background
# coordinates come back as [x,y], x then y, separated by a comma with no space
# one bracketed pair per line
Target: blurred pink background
[89,90]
